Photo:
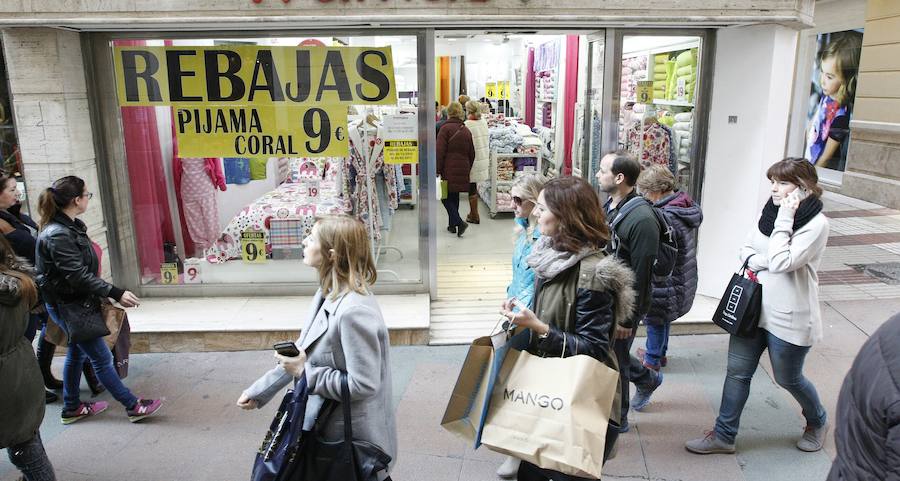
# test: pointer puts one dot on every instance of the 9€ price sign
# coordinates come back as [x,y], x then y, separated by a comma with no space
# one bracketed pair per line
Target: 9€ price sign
[169,273]
[645,92]
[253,247]
[490,90]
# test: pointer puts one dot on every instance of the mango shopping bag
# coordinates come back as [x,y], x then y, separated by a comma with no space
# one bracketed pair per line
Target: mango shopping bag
[468,402]
[551,412]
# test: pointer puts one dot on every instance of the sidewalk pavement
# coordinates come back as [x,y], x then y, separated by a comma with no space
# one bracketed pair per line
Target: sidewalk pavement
[201,435]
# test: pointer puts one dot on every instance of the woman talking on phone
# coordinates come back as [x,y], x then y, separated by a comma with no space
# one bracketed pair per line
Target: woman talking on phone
[344,334]
[784,251]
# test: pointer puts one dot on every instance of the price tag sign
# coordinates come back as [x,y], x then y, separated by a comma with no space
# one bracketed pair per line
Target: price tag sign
[192,273]
[502,92]
[490,90]
[253,247]
[645,91]
[169,273]
[681,89]
[401,139]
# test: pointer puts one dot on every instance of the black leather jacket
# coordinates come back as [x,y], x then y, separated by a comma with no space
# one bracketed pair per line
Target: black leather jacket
[67,265]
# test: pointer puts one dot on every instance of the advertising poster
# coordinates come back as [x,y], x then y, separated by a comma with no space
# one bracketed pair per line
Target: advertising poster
[831,96]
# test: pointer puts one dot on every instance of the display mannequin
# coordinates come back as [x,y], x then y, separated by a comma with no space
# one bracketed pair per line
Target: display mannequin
[199,179]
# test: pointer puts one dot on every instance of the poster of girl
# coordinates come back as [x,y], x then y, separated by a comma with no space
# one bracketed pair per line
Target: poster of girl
[831,98]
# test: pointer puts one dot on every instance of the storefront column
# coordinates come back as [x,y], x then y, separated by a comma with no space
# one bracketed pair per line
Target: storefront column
[49,97]
[750,109]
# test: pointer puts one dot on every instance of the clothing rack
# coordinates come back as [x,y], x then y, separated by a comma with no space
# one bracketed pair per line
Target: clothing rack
[376,241]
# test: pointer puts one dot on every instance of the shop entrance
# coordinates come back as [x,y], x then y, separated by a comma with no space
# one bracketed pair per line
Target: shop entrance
[552,104]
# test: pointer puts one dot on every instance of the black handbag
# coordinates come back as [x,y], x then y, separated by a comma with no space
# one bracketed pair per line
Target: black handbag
[741,305]
[83,320]
[344,460]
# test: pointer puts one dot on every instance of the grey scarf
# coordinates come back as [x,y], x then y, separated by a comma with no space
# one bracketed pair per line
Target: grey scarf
[547,262]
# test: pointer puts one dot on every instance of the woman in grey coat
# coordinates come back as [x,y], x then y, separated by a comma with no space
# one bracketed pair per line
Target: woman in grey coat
[343,332]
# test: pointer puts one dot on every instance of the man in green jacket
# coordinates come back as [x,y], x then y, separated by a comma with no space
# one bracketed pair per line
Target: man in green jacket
[635,240]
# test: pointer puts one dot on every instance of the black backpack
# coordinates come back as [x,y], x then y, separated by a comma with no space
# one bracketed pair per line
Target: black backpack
[668,245]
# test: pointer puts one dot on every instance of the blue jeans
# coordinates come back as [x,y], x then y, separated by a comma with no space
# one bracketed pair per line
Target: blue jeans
[787,364]
[451,204]
[101,360]
[657,342]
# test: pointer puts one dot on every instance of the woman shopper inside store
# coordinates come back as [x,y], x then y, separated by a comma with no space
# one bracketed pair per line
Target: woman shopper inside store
[343,335]
[525,193]
[21,407]
[479,172]
[569,263]
[455,157]
[67,268]
[784,253]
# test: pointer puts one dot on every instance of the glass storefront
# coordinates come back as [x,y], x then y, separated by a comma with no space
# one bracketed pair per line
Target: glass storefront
[220,159]
[240,217]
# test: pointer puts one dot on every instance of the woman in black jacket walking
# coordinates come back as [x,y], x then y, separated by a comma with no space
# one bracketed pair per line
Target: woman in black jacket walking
[569,264]
[67,268]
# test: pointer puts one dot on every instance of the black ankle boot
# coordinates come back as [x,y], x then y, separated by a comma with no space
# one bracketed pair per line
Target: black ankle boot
[91,377]
[50,397]
[45,351]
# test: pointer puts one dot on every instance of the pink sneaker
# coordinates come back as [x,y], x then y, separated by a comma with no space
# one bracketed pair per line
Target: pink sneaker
[83,410]
[144,408]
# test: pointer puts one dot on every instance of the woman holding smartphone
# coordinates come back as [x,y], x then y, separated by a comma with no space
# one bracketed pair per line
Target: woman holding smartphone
[344,333]
[784,252]
[580,293]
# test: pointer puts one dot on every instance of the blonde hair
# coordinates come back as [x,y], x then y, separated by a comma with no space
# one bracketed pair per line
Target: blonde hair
[455,111]
[656,178]
[473,108]
[528,188]
[347,263]
[463,99]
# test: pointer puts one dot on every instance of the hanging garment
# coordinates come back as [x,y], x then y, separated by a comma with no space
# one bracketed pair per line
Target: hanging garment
[198,195]
[366,160]
[237,170]
[655,146]
[258,169]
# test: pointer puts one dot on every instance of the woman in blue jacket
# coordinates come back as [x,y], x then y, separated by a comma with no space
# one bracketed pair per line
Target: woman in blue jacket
[524,193]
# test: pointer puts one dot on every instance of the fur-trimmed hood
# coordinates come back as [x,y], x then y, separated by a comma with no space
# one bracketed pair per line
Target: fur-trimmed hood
[607,273]
[10,287]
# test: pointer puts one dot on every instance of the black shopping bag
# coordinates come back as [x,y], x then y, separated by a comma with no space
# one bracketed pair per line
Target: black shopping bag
[279,453]
[740,307]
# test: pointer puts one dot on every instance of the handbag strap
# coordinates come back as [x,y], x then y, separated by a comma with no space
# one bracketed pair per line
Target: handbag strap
[345,405]
[746,264]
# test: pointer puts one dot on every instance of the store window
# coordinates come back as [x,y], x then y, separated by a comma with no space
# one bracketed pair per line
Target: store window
[10,157]
[227,182]
[659,91]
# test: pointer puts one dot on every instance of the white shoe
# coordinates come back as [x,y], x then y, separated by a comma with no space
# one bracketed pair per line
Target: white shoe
[509,469]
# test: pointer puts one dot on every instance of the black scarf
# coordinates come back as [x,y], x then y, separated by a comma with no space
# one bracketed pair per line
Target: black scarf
[809,208]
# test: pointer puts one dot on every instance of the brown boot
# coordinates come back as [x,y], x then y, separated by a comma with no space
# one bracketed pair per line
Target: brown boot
[91,377]
[473,218]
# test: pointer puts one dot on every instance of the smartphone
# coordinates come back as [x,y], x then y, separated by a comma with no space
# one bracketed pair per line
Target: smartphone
[286,349]
[518,304]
